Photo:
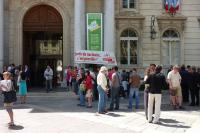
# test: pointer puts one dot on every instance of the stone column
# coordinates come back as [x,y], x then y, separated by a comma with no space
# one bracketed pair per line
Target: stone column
[109,25]
[79,25]
[1,34]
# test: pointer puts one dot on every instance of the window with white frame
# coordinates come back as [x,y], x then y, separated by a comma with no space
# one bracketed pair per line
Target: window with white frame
[129,4]
[129,47]
[170,48]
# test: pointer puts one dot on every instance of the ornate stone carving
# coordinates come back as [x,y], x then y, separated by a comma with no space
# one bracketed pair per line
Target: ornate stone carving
[130,21]
[165,21]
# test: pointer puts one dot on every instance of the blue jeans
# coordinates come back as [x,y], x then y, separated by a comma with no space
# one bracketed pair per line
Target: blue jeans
[102,99]
[134,91]
[82,97]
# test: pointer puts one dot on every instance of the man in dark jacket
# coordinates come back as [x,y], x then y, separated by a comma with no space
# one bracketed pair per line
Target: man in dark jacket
[156,83]
[184,83]
[194,88]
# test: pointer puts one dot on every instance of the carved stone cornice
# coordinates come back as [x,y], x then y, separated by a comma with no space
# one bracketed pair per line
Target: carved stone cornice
[171,21]
[135,20]
[136,17]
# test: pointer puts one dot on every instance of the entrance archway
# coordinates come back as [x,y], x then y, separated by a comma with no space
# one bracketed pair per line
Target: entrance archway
[43,42]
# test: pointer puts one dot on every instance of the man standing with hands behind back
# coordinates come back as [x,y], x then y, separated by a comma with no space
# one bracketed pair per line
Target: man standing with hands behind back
[48,74]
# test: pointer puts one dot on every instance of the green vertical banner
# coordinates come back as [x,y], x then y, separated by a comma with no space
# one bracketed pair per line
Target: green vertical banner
[94,31]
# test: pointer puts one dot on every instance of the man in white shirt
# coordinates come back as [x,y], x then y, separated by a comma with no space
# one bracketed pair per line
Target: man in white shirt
[102,89]
[174,80]
[48,74]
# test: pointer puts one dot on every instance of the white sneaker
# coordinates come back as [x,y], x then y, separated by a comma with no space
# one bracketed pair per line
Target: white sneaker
[155,122]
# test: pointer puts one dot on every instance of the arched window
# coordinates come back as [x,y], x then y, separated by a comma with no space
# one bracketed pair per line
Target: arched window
[128,47]
[170,48]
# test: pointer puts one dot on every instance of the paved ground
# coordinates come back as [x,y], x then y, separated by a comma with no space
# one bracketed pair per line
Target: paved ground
[57,113]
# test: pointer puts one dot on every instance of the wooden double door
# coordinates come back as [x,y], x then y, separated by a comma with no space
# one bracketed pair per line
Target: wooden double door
[43,42]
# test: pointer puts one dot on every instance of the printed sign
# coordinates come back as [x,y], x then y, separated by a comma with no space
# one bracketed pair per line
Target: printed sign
[95,57]
[94,31]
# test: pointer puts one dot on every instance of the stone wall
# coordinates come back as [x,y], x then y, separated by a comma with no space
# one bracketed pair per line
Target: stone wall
[186,22]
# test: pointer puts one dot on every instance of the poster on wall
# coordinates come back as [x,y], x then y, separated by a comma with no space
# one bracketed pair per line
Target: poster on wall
[95,57]
[94,31]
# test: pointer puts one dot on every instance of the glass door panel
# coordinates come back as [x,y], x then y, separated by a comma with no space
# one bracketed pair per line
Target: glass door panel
[165,53]
[175,52]
[133,51]
[124,52]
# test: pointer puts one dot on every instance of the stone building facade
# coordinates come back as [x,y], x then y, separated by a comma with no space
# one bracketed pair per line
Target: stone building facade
[127,30]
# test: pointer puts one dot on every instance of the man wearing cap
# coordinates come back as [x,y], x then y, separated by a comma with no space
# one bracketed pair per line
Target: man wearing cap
[102,89]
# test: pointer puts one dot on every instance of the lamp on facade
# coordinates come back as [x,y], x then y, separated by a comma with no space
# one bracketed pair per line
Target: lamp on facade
[153,31]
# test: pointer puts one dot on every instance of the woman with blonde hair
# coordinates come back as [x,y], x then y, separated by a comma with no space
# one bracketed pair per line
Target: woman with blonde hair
[6,86]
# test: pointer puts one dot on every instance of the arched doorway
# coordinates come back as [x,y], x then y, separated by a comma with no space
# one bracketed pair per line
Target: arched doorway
[170,48]
[43,42]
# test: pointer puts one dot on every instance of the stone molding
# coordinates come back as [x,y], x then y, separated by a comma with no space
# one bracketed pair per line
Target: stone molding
[165,21]
[130,21]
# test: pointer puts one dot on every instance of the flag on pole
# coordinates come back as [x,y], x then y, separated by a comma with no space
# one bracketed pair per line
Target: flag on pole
[166,5]
[172,6]
[177,5]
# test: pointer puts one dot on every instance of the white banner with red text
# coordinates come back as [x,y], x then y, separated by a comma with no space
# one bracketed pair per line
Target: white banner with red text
[95,57]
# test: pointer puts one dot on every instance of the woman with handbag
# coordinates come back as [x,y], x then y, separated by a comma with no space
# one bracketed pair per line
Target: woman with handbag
[6,86]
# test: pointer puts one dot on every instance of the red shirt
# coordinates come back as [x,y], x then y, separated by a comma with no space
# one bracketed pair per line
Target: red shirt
[88,83]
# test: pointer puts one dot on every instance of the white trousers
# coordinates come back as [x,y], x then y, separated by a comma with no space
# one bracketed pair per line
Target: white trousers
[157,98]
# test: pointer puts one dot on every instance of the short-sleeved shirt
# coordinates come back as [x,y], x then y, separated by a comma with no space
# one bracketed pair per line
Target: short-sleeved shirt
[135,80]
[175,78]
[115,77]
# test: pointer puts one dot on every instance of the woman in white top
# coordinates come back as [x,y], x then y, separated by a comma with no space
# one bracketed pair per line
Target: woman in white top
[6,86]
[102,89]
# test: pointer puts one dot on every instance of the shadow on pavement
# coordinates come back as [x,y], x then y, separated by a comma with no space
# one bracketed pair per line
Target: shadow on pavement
[114,115]
[171,123]
[16,127]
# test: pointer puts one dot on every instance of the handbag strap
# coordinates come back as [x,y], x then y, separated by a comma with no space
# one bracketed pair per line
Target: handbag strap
[12,86]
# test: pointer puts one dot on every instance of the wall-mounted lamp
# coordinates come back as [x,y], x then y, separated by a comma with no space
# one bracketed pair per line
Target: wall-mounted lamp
[153,31]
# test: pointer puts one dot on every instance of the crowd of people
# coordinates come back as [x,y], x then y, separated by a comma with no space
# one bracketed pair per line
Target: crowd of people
[182,82]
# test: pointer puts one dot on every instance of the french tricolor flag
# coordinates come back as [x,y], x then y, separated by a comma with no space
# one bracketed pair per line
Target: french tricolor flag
[166,5]
[177,5]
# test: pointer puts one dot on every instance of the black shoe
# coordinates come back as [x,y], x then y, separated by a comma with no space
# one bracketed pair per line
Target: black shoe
[181,107]
[101,112]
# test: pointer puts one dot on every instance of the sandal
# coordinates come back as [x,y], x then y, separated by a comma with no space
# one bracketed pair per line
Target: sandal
[11,124]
